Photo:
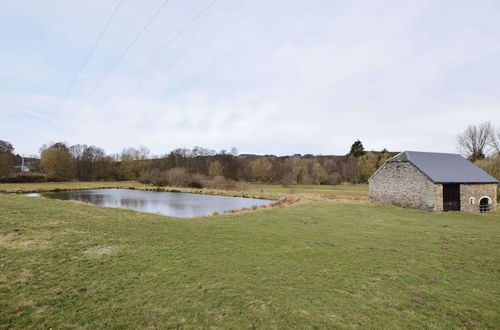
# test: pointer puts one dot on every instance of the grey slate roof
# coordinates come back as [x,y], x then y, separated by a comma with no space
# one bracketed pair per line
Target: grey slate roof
[445,168]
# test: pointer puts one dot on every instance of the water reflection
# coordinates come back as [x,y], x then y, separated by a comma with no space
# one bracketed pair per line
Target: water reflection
[166,203]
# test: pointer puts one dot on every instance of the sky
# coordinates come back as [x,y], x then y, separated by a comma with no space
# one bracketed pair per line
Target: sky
[268,77]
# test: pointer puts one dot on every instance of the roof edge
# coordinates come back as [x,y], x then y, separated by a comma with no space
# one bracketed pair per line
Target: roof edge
[380,167]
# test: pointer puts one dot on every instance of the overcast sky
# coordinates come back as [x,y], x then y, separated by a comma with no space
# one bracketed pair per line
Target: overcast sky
[268,77]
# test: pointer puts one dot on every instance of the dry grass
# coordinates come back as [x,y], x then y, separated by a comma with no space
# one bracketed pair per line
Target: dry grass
[101,251]
[16,241]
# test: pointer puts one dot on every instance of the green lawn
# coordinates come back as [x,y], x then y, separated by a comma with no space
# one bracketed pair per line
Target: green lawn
[360,190]
[319,263]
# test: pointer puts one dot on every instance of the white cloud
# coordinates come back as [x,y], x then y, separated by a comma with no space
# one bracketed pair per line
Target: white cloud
[280,77]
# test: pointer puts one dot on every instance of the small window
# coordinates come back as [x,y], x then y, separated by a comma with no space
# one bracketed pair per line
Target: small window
[472,201]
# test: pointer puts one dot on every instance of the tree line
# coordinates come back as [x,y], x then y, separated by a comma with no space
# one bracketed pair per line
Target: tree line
[196,167]
[201,167]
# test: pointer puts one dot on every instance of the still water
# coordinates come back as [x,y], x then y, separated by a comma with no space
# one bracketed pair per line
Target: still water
[167,203]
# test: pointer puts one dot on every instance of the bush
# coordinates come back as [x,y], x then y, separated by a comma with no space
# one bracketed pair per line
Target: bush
[25,178]
[154,177]
[177,177]
[196,181]
[334,179]
[219,182]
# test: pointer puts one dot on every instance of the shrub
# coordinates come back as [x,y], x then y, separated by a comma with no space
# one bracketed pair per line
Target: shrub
[334,178]
[25,178]
[300,170]
[154,177]
[262,169]
[219,182]
[177,177]
[196,181]
[319,175]
[215,169]
[146,177]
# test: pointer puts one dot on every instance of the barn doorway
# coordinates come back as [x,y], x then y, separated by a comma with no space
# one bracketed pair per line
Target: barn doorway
[451,197]
[484,205]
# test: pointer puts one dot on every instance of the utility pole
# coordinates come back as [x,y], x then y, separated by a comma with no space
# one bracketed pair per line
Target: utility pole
[22,164]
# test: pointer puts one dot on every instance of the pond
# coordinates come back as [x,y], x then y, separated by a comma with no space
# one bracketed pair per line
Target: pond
[173,204]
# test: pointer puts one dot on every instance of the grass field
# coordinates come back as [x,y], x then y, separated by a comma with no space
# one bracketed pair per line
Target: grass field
[315,264]
[360,190]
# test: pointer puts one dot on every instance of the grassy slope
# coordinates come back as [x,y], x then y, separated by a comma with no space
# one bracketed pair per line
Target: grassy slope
[360,190]
[317,263]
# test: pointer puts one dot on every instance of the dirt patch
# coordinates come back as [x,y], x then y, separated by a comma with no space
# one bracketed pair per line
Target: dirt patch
[424,278]
[101,251]
[74,231]
[258,306]
[15,241]
[219,314]
[330,244]
[341,197]
[471,324]
[279,203]
[418,300]
[25,275]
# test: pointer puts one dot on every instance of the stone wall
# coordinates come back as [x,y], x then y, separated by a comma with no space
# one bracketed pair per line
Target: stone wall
[438,197]
[402,184]
[477,191]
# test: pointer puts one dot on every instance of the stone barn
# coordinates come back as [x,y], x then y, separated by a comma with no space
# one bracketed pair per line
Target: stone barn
[433,182]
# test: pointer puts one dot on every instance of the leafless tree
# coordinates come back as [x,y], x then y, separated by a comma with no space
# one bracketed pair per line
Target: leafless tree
[262,169]
[319,174]
[495,141]
[474,142]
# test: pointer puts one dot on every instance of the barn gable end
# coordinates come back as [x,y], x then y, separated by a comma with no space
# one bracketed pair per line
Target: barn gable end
[402,184]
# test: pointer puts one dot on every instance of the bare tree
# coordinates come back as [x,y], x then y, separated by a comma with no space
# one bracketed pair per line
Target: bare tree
[300,170]
[475,140]
[495,141]
[215,169]
[134,162]
[262,169]
[319,174]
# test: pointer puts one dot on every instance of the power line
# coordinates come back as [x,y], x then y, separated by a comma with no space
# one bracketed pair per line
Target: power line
[161,50]
[118,59]
[85,62]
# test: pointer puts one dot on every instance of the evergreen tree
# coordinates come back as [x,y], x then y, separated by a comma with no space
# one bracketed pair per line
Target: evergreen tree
[357,149]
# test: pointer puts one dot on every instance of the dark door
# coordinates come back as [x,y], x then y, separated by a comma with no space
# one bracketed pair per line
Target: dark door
[451,197]
[484,205]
